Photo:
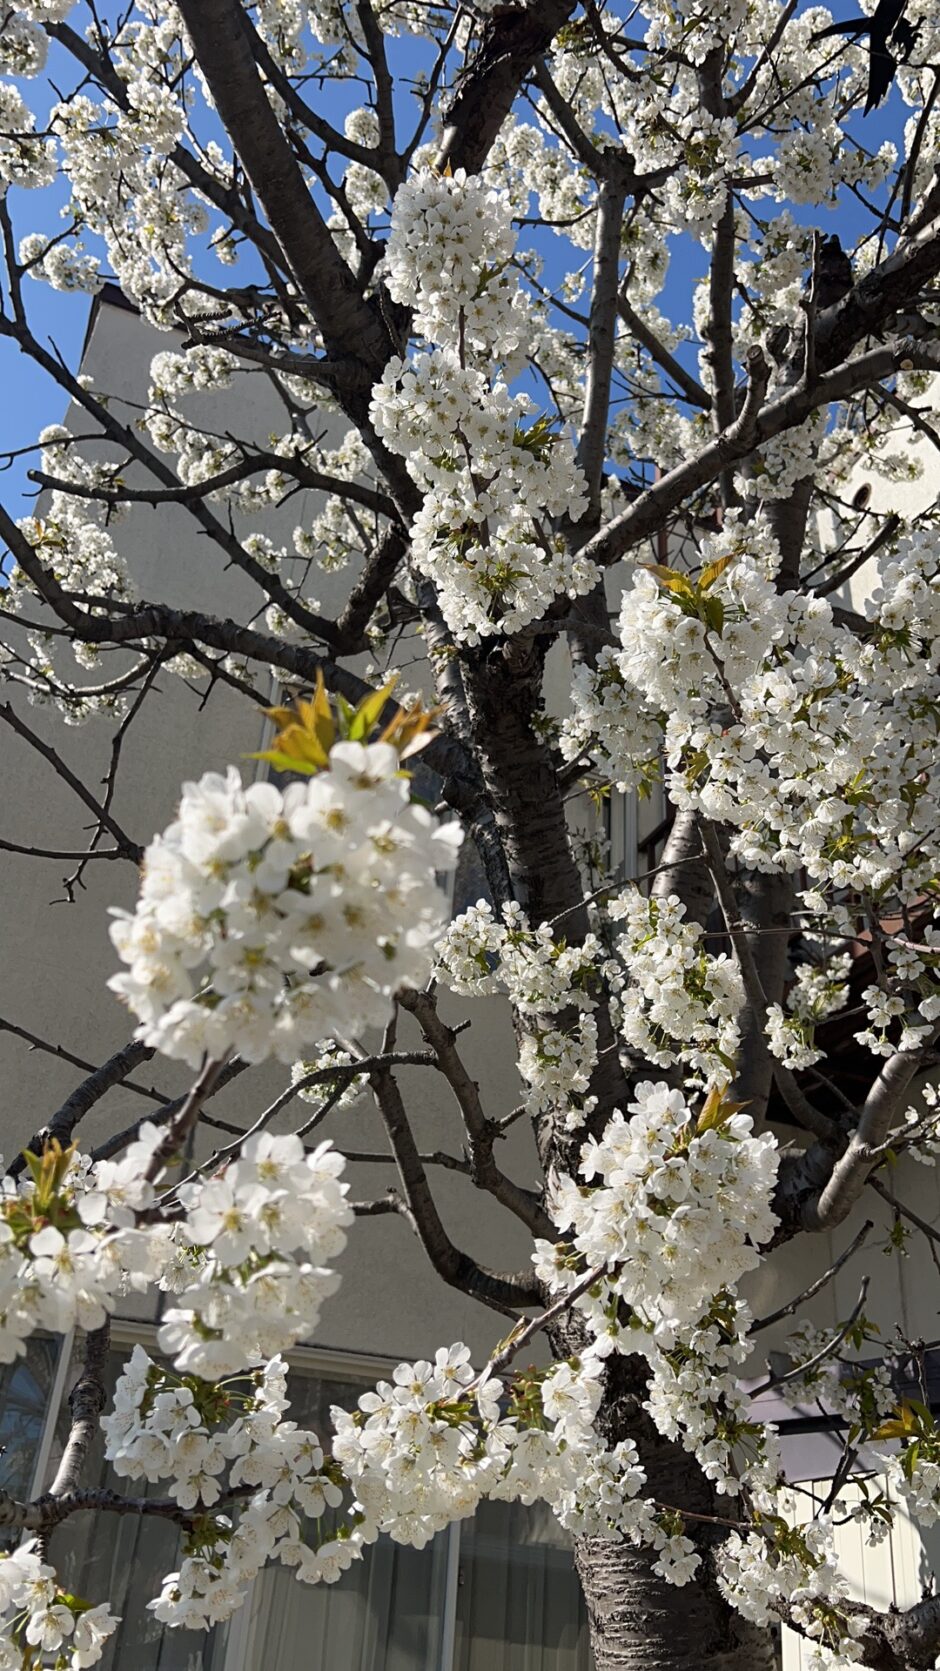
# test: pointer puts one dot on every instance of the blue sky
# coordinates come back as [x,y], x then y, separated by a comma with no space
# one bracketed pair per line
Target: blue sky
[29,401]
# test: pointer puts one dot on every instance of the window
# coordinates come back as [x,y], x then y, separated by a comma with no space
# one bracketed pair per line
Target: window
[123,1558]
[519,1602]
[26,1392]
[495,1593]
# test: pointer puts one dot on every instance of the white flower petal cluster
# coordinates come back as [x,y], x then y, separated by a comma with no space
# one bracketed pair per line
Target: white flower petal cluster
[814,743]
[67,1260]
[550,983]
[74,545]
[203,366]
[342,1091]
[605,712]
[920,1132]
[682,1207]
[676,1001]
[818,991]
[479,955]
[272,1473]
[65,266]
[25,158]
[493,484]
[451,243]
[248,1261]
[767,1583]
[269,921]
[23,46]
[267,1226]
[672,1000]
[420,1450]
[916,1483]
[37,1618]
[425,1447]
[835,1382]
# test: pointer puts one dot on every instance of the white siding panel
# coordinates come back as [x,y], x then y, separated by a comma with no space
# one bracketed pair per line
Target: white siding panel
[891,1573]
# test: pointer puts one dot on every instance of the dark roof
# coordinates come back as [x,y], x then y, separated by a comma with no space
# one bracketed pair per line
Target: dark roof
[110,295]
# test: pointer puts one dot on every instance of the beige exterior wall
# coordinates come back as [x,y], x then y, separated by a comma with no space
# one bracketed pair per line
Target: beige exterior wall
[57,957]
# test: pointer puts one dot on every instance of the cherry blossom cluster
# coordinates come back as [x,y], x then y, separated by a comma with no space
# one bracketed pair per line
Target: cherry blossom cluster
[70,1247]
[25,158]
[424,1448]
[39,1619]
[70,538]
[673,1001]
[74,540]
[256,1481]
[792,1573]
[315,1083]
[695,1398]
[269,921]
[244,1250]
[682,1207]
[861,1392]
[814,743]
[817,992]
[920,1134]
[552,984]
[676,1002]
[493,481]
[265,1229]
[450,247]
[419,1451]
[492,485]
[913,1467]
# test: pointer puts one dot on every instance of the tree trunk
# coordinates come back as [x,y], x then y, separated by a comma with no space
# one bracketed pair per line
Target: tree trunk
[640,1623]
[504,693]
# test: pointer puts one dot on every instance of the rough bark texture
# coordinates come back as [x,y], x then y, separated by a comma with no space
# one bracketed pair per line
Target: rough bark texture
[766,904]
[638,1621]
[504,694]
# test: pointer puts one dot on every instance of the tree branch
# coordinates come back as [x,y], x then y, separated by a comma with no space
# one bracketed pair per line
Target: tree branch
[481,1132]
[129,849]
[221,37]
[500,1290]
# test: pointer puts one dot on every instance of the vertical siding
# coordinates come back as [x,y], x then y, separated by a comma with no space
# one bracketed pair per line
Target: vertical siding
[890,1574]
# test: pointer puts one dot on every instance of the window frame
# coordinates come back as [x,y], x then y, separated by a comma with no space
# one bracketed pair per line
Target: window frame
[326,1363]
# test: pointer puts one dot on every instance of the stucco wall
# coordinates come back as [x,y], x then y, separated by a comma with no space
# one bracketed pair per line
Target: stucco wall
[57,956]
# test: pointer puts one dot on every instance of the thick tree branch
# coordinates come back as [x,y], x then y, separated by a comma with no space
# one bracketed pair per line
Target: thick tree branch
[657,350]
[754,425]
[481,1132]
[87,1400]
[485,91]
[602,327]
[221,37]
[61,1125]
[500,1290]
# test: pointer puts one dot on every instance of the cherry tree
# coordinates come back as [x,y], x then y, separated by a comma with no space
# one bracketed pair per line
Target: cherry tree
[449,228]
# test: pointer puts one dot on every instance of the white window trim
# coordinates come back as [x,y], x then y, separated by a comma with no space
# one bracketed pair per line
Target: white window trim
[624,834]
[54,1404]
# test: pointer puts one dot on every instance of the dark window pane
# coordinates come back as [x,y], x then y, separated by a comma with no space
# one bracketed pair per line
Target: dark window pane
[25,1388]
